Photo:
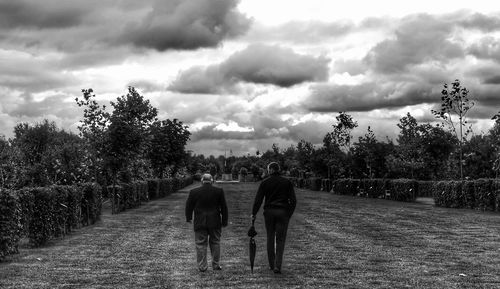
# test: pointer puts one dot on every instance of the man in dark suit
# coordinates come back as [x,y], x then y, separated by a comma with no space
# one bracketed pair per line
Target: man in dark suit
[210,215]
[280,202]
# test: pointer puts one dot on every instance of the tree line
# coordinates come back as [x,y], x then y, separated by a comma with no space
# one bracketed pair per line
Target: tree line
[448,149]
[125,143]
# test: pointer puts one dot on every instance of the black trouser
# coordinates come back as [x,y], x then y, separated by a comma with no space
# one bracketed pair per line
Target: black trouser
[276,226]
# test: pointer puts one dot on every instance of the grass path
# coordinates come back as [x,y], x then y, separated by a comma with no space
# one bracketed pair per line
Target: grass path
[333,242]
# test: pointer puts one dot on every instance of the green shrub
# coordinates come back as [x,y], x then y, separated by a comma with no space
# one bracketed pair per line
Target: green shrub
[403,190]
[496,189]
[143,191]
[165,187]
[425,189]
[373,188]
[326,185]
[153,189]
[469,197]
[314,184]
[439,193]
[348,187]
[41,223]
[10,223]
[27,203]
[485,196]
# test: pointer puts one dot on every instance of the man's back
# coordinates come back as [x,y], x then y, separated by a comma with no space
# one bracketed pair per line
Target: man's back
[209,206]
[278,193]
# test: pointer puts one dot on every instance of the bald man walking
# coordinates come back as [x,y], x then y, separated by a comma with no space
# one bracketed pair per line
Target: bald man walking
[210,215]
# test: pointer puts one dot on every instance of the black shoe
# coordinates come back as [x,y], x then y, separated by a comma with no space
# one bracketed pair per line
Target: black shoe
[217,268]
[276,271]
[202,270]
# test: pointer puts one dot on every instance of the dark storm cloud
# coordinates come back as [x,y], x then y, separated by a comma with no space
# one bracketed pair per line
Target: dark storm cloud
[495,79]
[486,95]
[41,14]
[57,105]
[486,48]
[418,38]
[264,64]
[367,97]
[191,24]
[92,33]
[486,23]
[30,74]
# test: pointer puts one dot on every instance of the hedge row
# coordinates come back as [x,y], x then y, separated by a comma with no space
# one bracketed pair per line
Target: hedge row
[482,194]
[398,189]
[43,213]
[10,223]
[131,195]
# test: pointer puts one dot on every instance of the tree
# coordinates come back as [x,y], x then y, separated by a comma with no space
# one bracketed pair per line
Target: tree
[494,134]
[305,151]
[366,149]
[341,135]
[337,145]
[11,171]
[128,131]
[410,148]
[126,136]
[48,155]
[455,101]
[167,145]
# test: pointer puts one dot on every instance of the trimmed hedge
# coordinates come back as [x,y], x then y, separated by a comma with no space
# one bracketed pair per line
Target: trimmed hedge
[47,212]
[482,194]
[10,223]
[403,190]
[131,195]
[398,190]
[425,189]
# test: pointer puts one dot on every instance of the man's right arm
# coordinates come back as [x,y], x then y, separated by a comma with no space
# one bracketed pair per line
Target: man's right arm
[189,207]
[259,197]
[292,199]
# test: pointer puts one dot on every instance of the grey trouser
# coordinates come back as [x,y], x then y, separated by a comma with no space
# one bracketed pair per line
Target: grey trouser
[276,227]
[204,237]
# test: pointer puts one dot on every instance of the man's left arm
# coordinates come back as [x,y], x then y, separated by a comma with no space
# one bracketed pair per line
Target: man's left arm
[224,210]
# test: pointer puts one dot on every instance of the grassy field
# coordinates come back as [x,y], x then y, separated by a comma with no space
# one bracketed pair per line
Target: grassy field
[333,242]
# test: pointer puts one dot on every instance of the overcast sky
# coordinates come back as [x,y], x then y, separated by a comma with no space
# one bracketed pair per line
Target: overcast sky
[244,75]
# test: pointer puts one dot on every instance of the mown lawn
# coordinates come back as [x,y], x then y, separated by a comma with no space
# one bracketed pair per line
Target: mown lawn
[333,242]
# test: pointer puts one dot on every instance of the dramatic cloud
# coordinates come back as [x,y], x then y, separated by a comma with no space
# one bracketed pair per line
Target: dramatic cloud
[180,24]
[486,48]
[246,75]
[300,32]
[25,72]
[418,39]
[367,97]
[258,63]
[36,14]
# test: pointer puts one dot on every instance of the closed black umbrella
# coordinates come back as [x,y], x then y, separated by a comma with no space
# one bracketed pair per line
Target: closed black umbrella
[252,245]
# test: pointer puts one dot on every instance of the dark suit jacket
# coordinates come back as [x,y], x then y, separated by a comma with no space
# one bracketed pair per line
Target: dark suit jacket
[209,206]
[278,192]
